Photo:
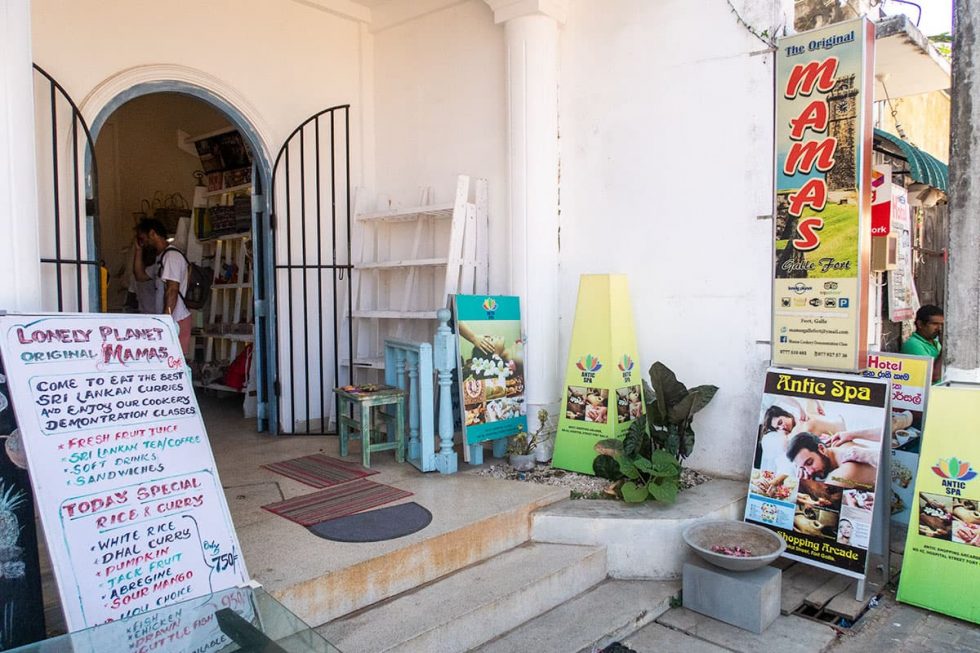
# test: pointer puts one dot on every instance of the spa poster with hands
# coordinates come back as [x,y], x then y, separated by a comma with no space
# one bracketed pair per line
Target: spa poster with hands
[603,389]
[816,463]
[941,563]
[490,366]
[133,511]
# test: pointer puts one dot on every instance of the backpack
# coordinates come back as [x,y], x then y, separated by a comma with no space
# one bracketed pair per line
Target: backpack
[198,283]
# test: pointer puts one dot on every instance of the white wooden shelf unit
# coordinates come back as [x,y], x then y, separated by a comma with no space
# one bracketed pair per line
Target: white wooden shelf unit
[408,261]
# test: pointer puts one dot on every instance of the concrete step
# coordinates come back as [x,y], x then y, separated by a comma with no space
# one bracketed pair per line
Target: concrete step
[627,530]
[473,519]
[601,615]
[472,606]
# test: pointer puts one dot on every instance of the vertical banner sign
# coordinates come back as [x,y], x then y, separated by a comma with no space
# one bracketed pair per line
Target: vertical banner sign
[132,507]
[603,384]
[823,201]
[21,602]
[491,366]
[901,290]
[941,564]
[816,465]
[910,378]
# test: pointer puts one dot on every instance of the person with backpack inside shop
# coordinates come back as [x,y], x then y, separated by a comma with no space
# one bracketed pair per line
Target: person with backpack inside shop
[171,271]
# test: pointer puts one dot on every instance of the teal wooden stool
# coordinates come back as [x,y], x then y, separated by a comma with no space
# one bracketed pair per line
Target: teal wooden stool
[362,402]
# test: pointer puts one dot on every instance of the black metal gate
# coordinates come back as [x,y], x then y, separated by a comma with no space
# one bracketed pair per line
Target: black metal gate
[68,205]
[311,222]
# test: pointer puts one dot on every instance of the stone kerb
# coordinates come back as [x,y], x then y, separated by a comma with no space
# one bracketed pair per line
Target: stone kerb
[642,541]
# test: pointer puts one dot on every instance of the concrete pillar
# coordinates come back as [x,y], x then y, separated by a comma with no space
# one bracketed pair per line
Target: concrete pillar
[531,33]
[20,267]
[962,333]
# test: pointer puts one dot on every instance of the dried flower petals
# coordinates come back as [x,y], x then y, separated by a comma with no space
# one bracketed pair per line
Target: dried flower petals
[733,551]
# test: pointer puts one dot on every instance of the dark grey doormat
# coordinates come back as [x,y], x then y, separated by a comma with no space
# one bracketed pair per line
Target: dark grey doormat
[375,525]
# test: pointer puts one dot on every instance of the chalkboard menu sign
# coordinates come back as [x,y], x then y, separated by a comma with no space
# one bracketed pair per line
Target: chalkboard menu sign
[123,475]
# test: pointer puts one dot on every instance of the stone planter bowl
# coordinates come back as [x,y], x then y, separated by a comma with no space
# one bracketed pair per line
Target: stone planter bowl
[766,545]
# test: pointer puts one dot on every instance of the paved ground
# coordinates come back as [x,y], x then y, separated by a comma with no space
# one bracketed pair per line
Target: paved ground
[890,627]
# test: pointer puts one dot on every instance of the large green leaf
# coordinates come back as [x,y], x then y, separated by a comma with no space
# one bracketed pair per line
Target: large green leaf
[633,493]
[643,465]
[665,492]
[664,463]
[673,440]
[606,467]
[609,447]
[686,442]
[669,390]
[681,412]
[653,408]
[635,438]
[705,393]
[628,469]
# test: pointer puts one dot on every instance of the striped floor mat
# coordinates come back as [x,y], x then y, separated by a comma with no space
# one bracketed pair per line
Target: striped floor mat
[345,499]
[320,471]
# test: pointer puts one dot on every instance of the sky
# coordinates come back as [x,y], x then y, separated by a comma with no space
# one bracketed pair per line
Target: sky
[937,15]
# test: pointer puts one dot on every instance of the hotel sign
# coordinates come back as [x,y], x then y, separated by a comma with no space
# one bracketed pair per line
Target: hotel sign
[822,181]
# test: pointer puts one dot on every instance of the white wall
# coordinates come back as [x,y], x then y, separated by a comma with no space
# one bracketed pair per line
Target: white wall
[666,165]
[440,111]
[287,59]
[666,150]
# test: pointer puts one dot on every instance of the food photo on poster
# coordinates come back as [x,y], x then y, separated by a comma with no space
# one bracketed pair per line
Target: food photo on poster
[910,378]
[816,465]
[490,366]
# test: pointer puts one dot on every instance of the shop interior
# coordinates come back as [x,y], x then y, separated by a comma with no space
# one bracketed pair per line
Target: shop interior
[176,158]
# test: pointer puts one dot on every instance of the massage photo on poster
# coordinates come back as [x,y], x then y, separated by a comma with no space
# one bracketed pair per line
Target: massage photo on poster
[816,465]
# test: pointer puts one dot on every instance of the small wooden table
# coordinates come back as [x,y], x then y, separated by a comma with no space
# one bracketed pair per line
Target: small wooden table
[362,399]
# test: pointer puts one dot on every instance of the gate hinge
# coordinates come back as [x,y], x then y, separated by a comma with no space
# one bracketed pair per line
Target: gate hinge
[261,308]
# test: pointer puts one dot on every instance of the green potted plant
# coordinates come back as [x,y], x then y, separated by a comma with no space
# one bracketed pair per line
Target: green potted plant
[546,434]
[521,448]
[646,464]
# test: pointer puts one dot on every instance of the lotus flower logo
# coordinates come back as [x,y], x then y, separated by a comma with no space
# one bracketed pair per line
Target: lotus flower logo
[490,306]
[589,364]
[626,364]
[954,469]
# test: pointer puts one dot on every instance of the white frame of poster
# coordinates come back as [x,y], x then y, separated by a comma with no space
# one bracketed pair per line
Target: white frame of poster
[506,427]
[152,475]
[825,501]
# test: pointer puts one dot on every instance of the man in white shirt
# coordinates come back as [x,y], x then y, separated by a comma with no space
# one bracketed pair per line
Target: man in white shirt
[172,272]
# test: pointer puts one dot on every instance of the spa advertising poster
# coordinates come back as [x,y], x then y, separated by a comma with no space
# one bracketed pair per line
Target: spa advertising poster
[822,231]
[490,366]
[910,378]
[133,510]
[603,389]
[816,463]
[941,564]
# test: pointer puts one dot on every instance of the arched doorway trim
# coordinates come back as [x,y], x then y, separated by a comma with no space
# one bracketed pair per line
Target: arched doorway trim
[145,80]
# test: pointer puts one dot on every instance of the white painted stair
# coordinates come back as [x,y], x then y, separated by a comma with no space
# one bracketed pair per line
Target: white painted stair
[608,612]
[474,605]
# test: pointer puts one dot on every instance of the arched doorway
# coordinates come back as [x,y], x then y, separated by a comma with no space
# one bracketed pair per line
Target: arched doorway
[151,138]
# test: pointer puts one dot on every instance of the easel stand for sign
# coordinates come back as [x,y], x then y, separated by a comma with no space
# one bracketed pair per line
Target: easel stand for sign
[879,550]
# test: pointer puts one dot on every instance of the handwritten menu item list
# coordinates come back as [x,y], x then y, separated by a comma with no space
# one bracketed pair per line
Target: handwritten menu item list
[128,493]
